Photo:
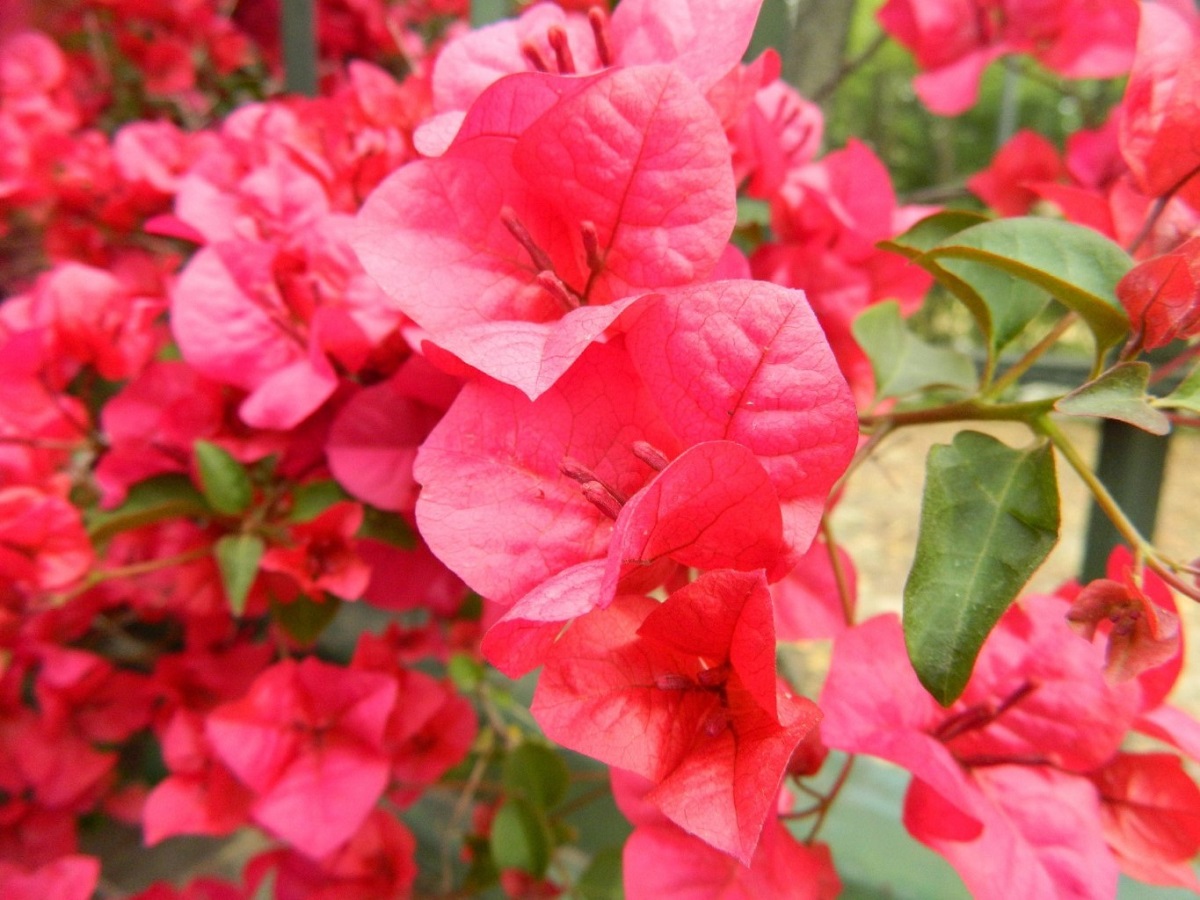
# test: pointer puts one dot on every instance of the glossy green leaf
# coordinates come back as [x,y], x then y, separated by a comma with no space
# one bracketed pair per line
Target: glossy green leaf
[520,837]
[225,482]
[1001,304]
[989,517]
[1078,266]
[238,556]
[537,774]
[303,618]
[154,500]
[901,361]
[1119,393]
[931,231]
[1186,396]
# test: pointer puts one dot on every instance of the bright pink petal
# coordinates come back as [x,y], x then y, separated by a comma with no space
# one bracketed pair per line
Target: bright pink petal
[495,505]
[748,362]
[1041,837]
[712,508]
[703,38]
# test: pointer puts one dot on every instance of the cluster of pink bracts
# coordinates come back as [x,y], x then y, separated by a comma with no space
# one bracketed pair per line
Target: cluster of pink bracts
[495,305]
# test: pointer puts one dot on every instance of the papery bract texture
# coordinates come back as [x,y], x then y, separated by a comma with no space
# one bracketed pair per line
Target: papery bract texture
[747,362]
[683,693]
[557,197]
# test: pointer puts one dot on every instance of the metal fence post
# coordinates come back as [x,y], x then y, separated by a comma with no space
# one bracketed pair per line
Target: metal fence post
[299,35]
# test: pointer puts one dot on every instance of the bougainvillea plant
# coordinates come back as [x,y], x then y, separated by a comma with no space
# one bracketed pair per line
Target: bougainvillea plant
[403,474]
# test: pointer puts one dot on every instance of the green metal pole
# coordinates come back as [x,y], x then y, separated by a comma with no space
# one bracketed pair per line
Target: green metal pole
[299,34]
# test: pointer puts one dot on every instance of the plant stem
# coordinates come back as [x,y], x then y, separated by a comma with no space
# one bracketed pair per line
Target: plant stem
[1032,355]
[827,803]
[1100,493]
[974,409]
[839,572]
[848,68]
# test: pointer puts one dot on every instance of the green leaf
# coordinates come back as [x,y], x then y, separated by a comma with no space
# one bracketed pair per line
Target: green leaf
[931,231]
[602,879]
[224,481]
[465,671]
[901,361]
[1120,393]
[1001,304]
[537,774]
[520,838]
[988,519]
[1077,265]
[238,556]
[311,499]
[154,500]
[304,618]
[1186,396]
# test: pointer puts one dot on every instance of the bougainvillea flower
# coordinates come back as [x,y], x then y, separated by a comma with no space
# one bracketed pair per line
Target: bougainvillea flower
[1162,99]
[661,859]
[86,693]
[308,740]
[200,795]
[683,693]
[1025,157]
[780,132]
[748,362]
[496,505]
[1037,710]
[704,39]
[1162,296]
[558,198]
[1150,812]
[828,218]
[321,557]
[1140,633]
[43,545]
[66,878]
[373,444]
[378,861]
[152,424]
[955,40]
[431,727]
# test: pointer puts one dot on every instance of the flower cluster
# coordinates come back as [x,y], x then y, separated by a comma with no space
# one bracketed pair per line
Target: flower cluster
[480,344]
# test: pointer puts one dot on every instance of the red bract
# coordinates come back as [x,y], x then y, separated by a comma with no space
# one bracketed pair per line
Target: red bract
[1162,101]
[43,546]
[683,693]
[308,740]
[320,557]
[1162,296]
[1150,813]
[703,38]
[955,40]
[200,795]
[496,506]
[994,789]
[748,362]
[1140,634]
[1026,157]
[557,198]
[66,878]
[376,862]
[662,860]
[828,218]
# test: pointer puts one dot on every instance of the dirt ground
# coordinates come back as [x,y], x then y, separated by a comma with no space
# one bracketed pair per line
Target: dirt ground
[878,518]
